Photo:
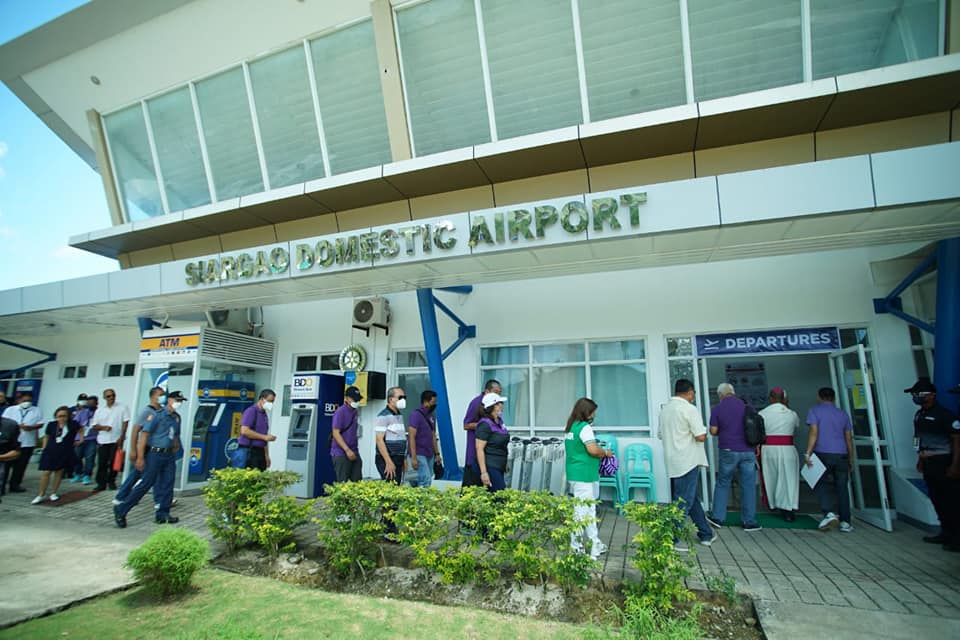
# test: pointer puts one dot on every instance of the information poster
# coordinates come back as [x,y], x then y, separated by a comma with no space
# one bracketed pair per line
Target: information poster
[749,380]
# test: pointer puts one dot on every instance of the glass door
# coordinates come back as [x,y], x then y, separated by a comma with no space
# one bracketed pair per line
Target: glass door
[708,476]
[853,377]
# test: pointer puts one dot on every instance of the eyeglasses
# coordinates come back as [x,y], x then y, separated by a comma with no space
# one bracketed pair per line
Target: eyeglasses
[401,397]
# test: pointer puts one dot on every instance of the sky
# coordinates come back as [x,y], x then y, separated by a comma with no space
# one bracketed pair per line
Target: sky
[47,193]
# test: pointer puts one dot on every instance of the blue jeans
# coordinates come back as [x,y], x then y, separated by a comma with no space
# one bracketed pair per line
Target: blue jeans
[685,492]
[86,453]
[425,471]
[744,462]
[160,470]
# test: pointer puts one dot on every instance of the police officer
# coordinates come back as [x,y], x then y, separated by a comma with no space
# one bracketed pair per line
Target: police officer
[936,438]
[158,445]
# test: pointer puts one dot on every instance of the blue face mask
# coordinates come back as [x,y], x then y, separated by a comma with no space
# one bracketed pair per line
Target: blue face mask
[162,399]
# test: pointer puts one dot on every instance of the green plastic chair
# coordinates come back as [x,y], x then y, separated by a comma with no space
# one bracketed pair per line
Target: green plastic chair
[638,471]
[607,441]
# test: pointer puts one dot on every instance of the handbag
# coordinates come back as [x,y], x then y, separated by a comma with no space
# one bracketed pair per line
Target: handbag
[609,466]
[437,469]
[118,459]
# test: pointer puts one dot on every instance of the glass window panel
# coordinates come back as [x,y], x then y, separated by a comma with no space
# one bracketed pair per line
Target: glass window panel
[351,99]
[624,77]
[533,65]
[129,369]
[550,353]
[228,131]
[288,123]
[744,45]
[82,371]
[680,369]
[504,355]
[114,370]
[413,384]
[920,363]
[555,389]
[440,56]
[853,35]
[617,350]
[411,359]
[620,391]
[516,388]
[330,362]
[680,346]
[853,337]
[133,163]
[306,363]
[178,150]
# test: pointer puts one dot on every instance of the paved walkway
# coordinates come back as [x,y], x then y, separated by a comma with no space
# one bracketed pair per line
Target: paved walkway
[805,582]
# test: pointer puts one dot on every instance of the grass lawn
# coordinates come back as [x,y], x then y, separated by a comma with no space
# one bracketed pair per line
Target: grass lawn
[230,606]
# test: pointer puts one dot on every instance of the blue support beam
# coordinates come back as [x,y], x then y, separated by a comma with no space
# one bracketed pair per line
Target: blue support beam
[894,306]
[48,357]
[946,357]
[438,380]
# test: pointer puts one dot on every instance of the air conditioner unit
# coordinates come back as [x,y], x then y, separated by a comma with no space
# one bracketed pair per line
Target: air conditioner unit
[371,312]
[235,320]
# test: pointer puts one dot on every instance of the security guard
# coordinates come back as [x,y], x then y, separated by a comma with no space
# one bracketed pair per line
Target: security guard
[936,438]
[158,445]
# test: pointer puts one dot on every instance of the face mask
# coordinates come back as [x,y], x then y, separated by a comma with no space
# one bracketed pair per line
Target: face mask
[267,406]
[26,404]
[432,408]
[918,399]
[402,403]
[162,400]
[589,420]
[177,405]
[355,404]
[81,403]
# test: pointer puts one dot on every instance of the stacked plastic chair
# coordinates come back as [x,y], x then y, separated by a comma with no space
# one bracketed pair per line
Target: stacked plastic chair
[638,471]
[606,441]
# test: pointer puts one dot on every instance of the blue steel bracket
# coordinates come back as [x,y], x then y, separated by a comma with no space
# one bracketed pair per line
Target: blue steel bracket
[892,303]
[48,357]
[464,331]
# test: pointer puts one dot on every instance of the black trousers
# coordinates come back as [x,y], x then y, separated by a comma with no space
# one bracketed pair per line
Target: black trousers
[382,467]
[257,458]
[470,477]
[944,494]
[105,473]
[19,466]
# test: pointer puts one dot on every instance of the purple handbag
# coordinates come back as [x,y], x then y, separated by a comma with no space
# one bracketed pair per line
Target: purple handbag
[609,466]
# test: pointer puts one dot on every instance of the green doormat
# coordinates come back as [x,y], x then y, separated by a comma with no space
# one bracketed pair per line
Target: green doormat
[774,521]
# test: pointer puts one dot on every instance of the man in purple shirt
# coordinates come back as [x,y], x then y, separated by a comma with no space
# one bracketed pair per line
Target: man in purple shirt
[347,464]
[726,422]
[831,438]
[470,420]
[422,431]
[255,433]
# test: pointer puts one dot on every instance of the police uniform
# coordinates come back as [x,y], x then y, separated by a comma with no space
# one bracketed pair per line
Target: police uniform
[163,434]
[934,429]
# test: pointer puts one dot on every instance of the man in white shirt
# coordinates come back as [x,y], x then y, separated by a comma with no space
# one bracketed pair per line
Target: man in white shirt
[779,462]
[31,421]
[683,434]
[110,422]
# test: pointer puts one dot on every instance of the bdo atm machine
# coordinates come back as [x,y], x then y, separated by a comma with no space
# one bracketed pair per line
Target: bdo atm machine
[216,424]
[315,397]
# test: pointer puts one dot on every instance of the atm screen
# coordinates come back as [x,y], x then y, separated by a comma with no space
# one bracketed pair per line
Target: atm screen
[202,420]
[301,425]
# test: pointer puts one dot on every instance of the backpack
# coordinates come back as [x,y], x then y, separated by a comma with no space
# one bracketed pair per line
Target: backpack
[754,431]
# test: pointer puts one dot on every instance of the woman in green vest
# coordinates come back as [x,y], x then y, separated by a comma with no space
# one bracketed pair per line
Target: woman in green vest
[583,471]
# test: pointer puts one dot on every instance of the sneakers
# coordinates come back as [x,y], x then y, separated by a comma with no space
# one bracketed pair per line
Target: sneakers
[167,520]
[54,497]
[714,523]
[76,478]
[828,521]
[750,528]
[119,519]
[597,550]
[38,500]
[86,480]
[680,547]
[846,527]
[115,502]
[709,541]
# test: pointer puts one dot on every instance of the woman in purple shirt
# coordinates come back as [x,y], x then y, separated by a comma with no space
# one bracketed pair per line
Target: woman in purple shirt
[492,441]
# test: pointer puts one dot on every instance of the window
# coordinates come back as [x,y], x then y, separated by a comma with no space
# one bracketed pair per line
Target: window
[308,363]
[443,77]
[412,376]
[71,371]
[852,35]
[288,123]
[744,46]
[542,381]
[178,150]
[119,369]
[133,163]
[921,344]
[622,77]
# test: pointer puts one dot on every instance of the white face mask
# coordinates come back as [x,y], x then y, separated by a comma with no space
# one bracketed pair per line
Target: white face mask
[267,406]
[402,403]
[355,404]
[26,404]
[81,403]
[177,405]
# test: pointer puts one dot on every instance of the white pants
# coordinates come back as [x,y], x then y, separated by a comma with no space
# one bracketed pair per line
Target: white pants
[586,491]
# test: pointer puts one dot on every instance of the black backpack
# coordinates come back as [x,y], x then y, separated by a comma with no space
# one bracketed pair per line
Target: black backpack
[754,431]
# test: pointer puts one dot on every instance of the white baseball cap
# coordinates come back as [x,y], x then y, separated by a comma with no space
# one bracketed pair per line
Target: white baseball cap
[491,399]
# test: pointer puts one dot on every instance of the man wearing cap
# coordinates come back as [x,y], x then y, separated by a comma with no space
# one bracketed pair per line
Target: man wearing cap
[158,444]
[779,462]
[936,438]
[347,464]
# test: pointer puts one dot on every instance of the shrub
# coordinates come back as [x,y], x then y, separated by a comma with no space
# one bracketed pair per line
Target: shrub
[166,562]
[663,568]
[724,584]
[247,506]
[352,524]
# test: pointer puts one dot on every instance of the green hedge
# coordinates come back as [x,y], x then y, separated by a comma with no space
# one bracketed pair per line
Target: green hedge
[166,562]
